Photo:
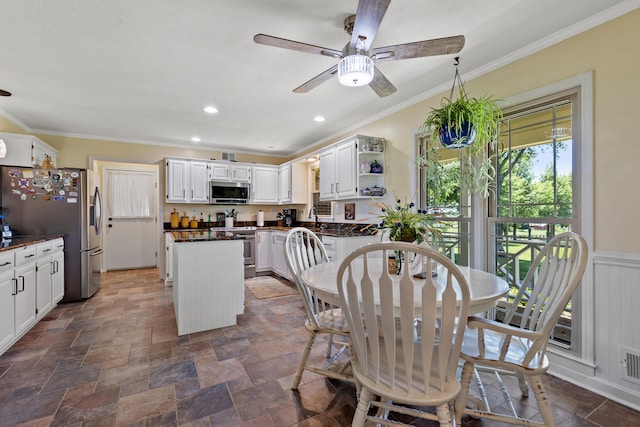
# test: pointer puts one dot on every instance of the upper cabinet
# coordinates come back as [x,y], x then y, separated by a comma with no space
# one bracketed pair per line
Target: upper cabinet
[265,184]
[338,171]
[292,183]
[187,181]
[352,168]
[228,171]
[26,151]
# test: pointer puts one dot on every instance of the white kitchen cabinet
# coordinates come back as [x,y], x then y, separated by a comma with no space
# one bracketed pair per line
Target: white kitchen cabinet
[341,176]
[292,183]
[57,273]
[277,254]
[26,150]
[229,171]
[25,299]
[44,272]
[168,256]
[187,181]
[263,251]
[339,247]
[199,181]
[8,290]
[338,171]
[265,184]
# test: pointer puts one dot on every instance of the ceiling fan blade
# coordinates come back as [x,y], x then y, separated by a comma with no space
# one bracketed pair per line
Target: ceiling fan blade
[293,45]
[317,80]
[443,46]
[368,18]
[381,85]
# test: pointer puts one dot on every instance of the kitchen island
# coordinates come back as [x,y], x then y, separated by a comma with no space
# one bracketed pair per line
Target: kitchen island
[208,280]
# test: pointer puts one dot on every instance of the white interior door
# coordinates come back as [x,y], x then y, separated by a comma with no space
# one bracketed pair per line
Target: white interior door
[130,217]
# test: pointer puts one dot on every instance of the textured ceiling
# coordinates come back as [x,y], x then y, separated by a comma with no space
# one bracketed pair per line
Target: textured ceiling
[142,70]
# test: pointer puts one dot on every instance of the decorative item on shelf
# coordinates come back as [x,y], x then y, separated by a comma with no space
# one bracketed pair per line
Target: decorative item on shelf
[376,167]
[366,145]
[378,191]
[377,145]
[366,192]
[469,124]
[47,163]
[365,167]
[184,220]
[175,219]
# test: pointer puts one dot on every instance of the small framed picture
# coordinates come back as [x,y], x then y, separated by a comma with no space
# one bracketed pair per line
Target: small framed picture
[350,211]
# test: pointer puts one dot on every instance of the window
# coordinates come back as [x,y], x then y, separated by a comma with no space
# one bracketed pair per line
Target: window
[534,198]
[544,186]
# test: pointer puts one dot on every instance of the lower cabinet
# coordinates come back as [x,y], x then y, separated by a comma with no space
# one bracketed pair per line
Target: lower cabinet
[263,251]
[31,284]
[277,254]
[339,247]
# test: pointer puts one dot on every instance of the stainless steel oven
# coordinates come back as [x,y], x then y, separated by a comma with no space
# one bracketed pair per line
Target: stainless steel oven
[248,237]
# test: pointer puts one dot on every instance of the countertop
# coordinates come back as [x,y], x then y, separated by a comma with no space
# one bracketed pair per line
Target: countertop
[195,235]
[323,229]
[20,241]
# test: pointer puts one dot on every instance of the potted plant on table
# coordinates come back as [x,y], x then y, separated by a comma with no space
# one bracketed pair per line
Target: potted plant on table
[402,222]
[469,124]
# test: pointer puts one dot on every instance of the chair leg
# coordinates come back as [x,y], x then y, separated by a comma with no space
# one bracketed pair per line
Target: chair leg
[359,417]
[543,403]
[303,360]
[329,345]
[461,400]
[522,383]
[444,415]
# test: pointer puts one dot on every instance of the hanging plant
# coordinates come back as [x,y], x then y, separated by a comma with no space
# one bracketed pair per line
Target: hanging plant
[469,124]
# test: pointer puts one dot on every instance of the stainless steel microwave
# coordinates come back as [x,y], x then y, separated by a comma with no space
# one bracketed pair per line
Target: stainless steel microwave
[229,193]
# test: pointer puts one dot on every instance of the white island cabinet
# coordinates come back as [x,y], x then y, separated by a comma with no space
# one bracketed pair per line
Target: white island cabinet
[208,284]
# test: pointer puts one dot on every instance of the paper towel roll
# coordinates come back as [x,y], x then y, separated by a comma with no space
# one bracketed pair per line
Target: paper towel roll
[260,220]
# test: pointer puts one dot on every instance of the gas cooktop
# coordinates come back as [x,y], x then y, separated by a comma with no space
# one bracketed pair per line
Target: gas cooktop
[248,228]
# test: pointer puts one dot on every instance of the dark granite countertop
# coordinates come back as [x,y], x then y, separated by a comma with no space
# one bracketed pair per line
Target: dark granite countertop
[20,241]
[201,236]
[332,229]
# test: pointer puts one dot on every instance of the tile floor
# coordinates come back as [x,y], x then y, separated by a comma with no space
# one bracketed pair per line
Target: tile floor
[116,360]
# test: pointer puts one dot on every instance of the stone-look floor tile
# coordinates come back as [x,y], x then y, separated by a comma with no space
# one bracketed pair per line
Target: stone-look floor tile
[212,371]
[30,408]
[268,370]
[100,405]
[260,400]
[204,403]
[123,364]
[152,403]
[614,414]
[173,373]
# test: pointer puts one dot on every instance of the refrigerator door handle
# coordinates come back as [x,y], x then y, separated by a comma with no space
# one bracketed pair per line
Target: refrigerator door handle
[97,211]
[98,252]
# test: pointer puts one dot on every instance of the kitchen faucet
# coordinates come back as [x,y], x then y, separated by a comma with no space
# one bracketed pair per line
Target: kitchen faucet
[314,211]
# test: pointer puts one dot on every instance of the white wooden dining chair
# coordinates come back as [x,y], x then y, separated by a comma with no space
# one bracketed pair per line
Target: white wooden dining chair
[518,345]
[405,362]
[303,249]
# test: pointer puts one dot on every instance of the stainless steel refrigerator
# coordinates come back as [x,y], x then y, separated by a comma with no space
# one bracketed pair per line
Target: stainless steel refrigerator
[67,202]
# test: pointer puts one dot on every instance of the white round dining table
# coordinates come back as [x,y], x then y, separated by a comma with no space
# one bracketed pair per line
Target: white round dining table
[485,288]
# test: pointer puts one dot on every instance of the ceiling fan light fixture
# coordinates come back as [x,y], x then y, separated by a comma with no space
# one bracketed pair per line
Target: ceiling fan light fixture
[355,70]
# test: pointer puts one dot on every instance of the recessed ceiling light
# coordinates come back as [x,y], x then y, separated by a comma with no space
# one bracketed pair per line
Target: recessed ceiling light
[195,139]
[271,147]
[210,109]
[319,118]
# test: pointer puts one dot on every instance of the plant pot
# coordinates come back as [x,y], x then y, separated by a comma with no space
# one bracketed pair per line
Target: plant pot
[451,138]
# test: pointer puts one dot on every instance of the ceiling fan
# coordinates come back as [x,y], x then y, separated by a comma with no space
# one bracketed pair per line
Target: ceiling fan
[356,66]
